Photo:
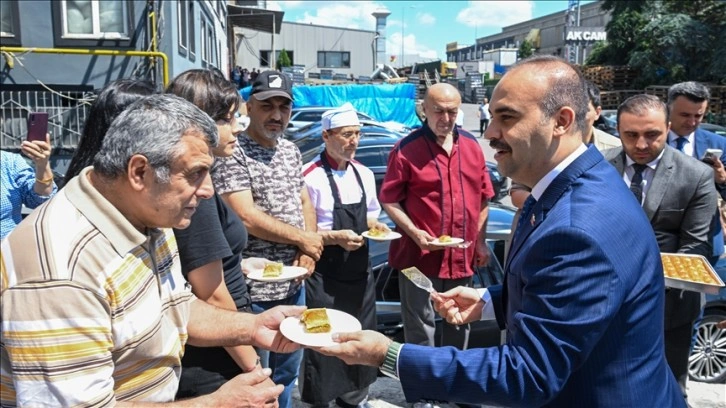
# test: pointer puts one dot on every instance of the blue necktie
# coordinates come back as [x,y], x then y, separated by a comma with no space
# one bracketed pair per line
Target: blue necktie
[680,142]
[636,183]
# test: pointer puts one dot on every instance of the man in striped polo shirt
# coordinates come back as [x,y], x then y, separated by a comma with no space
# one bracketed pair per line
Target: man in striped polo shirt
[94,307]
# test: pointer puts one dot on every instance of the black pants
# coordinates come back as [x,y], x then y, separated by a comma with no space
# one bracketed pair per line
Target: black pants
[483,125]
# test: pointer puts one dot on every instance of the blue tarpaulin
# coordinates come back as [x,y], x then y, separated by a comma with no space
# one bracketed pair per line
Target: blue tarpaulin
[383,102]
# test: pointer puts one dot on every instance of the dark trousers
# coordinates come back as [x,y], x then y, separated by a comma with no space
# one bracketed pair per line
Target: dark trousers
[483,125]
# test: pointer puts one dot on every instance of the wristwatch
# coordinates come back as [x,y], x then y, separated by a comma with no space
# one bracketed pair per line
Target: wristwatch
[390,362]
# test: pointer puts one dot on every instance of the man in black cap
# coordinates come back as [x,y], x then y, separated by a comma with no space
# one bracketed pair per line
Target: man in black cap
[262,182]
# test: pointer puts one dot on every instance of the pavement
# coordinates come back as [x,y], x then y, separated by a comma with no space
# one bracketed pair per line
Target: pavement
[386,392]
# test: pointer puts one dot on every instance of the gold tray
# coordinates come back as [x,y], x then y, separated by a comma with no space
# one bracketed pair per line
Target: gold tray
[690,272]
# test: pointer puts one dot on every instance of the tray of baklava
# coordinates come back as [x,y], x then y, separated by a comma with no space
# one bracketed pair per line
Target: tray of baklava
[690,272]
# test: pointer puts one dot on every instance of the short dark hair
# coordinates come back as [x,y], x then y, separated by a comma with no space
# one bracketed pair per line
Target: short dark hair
[639,104]
[208,90]
[566,90]
[593,92]
[694,91]
[111,101]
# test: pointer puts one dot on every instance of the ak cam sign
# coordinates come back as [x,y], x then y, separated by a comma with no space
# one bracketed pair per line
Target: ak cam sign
[585,34]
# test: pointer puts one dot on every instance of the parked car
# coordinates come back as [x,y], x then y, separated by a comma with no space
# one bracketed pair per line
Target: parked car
[707,362]
[302,116]
[388,305]
[719,130]
[373,148]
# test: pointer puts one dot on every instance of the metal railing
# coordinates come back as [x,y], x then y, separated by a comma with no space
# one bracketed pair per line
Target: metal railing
[67,113]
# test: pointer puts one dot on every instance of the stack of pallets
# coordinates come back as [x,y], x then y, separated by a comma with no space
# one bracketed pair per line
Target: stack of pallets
[611,77]
[613,99]
[661,91]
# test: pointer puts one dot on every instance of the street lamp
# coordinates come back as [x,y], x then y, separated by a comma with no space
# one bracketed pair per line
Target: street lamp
[403,22]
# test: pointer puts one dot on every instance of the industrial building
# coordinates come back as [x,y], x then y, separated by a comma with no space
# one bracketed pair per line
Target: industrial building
[320,49]
[548,35]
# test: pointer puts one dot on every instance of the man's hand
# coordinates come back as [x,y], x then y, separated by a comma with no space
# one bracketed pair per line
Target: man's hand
[306,262]
[253,389]
[719,173]
[482,252]
[349,240]
[423,238]
[311,243]
[363,347]
[267,334]
[460,305]
[253,264]
[377,225]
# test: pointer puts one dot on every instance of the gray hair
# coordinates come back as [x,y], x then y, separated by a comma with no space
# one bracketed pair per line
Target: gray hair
[638,105]
[694,91]
[153,127]
[564,90]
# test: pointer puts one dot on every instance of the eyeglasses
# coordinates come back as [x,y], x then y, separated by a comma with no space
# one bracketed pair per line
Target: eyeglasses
[348,135]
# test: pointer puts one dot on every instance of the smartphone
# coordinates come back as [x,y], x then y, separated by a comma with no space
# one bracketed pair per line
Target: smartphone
[37,126]
[711,155]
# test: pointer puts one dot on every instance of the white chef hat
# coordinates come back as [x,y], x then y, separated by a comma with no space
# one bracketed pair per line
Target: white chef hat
[339,117]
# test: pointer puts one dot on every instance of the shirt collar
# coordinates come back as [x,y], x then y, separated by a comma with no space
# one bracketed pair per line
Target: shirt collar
[107,219]
[653,164]
[672,136]
[334,163]
[545,181]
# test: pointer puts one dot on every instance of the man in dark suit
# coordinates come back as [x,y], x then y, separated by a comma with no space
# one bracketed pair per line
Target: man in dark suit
[688,103]
[679,199]
[583,296]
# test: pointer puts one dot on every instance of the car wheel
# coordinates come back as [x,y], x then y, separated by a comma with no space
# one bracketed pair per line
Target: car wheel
[707,362]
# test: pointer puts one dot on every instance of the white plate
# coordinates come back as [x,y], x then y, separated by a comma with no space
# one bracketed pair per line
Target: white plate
[388,237]
[294,329]
[288,273]
[453,242]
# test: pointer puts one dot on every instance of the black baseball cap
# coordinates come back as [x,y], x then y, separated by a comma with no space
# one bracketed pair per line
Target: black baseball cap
[271,83]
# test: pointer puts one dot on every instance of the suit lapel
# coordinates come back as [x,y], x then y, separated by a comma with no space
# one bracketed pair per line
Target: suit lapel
[659,184]
[700,144]
[550,197]
[618,161]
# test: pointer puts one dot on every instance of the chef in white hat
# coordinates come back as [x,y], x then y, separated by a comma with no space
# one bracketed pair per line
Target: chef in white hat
[343,193]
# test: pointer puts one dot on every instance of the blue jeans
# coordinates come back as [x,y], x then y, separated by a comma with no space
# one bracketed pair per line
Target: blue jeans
[284,366]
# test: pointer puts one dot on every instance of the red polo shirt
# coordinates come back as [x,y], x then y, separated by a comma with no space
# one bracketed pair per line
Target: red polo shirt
[442,194]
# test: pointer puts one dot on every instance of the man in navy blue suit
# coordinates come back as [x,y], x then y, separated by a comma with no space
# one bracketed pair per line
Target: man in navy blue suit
[582,301]
[688,103]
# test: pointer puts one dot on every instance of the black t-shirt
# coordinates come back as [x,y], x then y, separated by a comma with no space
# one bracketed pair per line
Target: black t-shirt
[216,232]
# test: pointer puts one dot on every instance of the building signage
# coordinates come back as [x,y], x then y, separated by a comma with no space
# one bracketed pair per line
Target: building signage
[585,34]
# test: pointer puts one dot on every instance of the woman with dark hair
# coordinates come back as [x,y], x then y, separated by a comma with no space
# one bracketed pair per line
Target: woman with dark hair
[211,247]
[111,101]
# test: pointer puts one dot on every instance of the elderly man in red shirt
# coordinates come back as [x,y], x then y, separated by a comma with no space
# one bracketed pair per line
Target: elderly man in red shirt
[437,184]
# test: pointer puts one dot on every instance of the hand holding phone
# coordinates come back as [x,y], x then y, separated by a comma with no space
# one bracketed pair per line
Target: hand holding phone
[37,126]
[711,155]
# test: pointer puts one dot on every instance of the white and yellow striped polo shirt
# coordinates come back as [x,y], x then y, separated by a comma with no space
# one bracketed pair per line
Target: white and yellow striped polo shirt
[93,311]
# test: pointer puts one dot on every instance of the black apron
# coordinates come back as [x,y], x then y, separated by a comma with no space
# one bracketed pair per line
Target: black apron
[342,281]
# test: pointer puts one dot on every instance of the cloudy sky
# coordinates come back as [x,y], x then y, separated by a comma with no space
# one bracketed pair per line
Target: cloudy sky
[424,27]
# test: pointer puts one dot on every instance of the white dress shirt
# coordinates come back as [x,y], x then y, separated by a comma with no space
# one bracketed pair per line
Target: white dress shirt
[688,147]
[648,173]
[537,191]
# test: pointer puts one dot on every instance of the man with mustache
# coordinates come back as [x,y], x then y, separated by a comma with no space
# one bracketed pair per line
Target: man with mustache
[679,198]
[263,183]
[582,300]
[437,183]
